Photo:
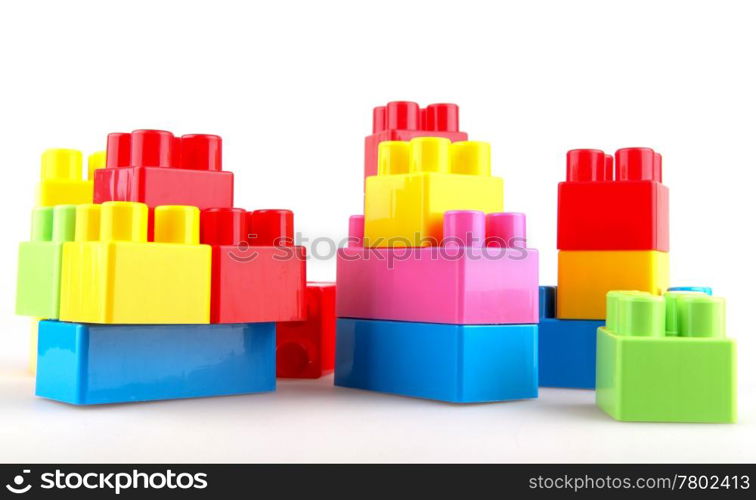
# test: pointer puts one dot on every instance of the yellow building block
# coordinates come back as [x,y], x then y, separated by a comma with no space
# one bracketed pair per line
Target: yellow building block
[61,179]
[112,274]
[586,276]
[421,179]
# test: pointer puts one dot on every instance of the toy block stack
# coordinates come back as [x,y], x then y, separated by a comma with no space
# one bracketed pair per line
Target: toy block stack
[62,184]
[159,289]
[613,234]
[437,292]
[666,359]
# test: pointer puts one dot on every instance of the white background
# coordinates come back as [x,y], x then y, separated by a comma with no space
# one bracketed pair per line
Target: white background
[290,87]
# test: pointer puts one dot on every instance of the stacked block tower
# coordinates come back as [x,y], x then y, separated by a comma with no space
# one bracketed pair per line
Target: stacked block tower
[150,283]
[437,292]
[613,234]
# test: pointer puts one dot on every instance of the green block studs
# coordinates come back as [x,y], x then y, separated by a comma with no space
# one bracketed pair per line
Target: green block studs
[666,359]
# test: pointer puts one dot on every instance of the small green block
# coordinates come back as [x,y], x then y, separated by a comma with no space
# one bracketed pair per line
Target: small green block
[39,261]
[38,286]
[687,375]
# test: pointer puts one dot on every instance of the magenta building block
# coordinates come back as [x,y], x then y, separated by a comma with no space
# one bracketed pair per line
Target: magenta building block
[471,285]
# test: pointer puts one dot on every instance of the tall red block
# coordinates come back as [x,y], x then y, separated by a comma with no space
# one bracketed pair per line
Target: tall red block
[253,282]
[156,168]
[306,349]
[403,120]
[613,203]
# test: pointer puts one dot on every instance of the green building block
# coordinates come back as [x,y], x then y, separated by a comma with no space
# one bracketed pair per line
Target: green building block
[39,261]
[666,359]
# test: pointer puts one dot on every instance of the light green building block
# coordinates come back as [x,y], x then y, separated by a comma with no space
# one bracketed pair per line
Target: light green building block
[666,359]
[39,261]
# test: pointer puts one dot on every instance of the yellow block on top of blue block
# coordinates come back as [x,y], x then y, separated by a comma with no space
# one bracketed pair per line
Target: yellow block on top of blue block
[112,274]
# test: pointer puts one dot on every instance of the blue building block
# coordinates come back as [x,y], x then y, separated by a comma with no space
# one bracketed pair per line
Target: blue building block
[567,353]
[454,363]
[546,301]
[702,289]
[91,364]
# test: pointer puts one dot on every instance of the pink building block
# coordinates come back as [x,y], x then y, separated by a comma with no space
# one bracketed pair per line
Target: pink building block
[482,274]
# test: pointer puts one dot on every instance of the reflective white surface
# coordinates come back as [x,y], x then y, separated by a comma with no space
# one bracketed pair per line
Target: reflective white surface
[313,421]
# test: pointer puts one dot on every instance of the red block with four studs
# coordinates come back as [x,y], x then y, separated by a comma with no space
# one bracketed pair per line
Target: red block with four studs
[156,168]
[613,203]
[258,274]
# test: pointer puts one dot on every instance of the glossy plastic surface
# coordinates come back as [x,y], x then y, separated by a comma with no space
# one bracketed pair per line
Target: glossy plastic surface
[95,364]
[453,363]
[251,282]
[112,274]
[305,349]
[61,179]
[452,284]
[606,208]
[567,353]
[546,302]
[418,182]
[584,278]
[666,360]
[404,120]
[156,168]
[39,261]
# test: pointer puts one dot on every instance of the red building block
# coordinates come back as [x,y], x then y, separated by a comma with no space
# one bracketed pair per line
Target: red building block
[613,207]
[254,280]
[156,168]
[402,120]
[306,349]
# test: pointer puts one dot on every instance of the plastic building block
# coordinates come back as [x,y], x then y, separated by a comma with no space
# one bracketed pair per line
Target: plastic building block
[586,276]
[462,282]
[567,353]
[666,359]
[305,349]
[39,261]
[258,275]
[454,363]
[625,208]
[701,289]
[61,180]
[403,120]
[546,301]
[93,364]
[420,180]
[112,274]
[156,168]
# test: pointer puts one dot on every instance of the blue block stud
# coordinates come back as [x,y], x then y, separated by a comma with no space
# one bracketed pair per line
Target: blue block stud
[567,353]
[454,363]
[92,364]
[546,301]
[702,289]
